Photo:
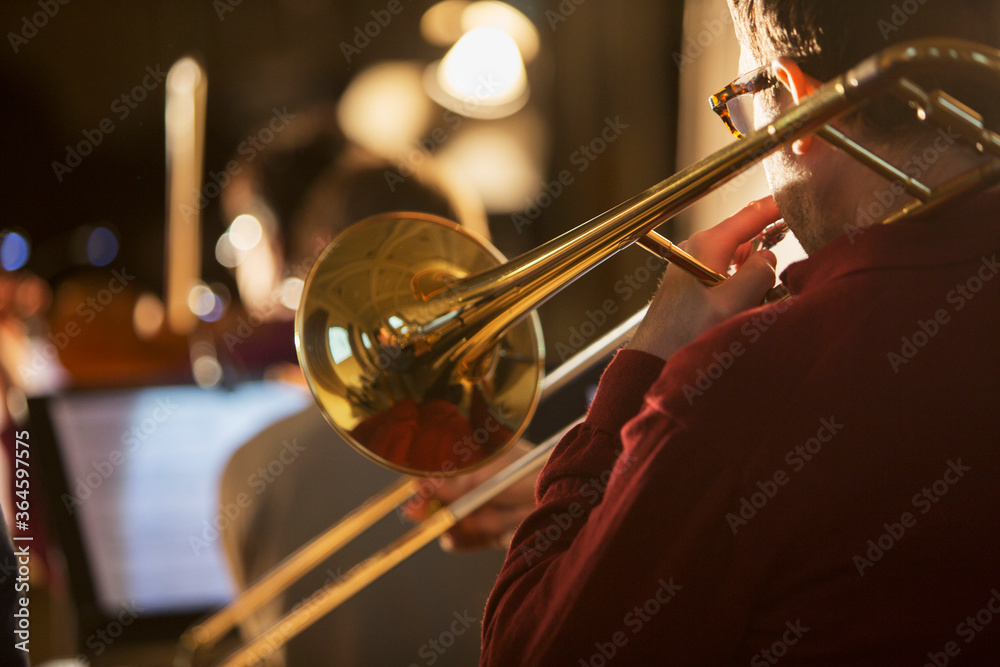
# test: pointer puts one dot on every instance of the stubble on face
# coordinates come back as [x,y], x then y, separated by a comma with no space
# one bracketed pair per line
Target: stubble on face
[788,176]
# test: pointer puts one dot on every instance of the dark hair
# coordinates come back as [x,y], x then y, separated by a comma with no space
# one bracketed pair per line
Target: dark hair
[353,188]
[316,183]
[828,37]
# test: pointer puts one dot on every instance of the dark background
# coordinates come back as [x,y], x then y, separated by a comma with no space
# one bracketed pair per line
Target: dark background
[605,60]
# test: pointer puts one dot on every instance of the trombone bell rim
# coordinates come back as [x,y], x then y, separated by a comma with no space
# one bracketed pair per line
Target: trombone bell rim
[366,341]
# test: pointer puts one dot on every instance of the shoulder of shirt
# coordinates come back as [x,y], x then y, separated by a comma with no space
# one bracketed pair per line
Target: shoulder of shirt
[739,371]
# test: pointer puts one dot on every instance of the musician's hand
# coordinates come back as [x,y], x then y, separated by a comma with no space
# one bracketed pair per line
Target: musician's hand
[683,307]
[492,525]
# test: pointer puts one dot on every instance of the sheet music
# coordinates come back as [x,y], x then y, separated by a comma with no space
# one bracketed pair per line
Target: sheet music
[143,469]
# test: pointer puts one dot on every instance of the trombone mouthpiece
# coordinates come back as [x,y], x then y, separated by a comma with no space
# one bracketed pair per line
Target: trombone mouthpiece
[771,236]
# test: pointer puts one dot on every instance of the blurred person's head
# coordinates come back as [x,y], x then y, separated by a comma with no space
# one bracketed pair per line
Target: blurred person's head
[818,188]
[311,184]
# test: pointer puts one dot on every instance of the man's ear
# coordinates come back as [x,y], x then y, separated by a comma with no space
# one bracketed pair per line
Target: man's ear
[799,85]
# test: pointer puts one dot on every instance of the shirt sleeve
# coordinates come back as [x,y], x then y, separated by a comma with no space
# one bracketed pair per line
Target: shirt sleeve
[628,520]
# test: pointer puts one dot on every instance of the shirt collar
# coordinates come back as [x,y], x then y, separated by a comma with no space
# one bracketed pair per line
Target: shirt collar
[961,231]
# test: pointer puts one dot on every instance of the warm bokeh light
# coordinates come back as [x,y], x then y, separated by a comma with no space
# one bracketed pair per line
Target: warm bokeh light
[201,300]
[147,316]
[291,292]
[183,79]
[503,17]
[503,161]
[496,166]
[385,108]
[257,276]
[221,291]
[227,254]
[206,303]
[17,405]
[483,68]
[245,232]
[445,23]
[184,76]
[184,117]
[441,25]
[207,371]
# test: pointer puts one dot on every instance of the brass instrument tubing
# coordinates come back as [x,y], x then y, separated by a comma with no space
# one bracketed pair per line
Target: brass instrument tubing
[361,575]
[298,564]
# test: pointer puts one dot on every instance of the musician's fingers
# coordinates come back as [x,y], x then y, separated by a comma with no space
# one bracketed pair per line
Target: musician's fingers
[717,246]
[742,254]
[453,488]
[487,528]
[419,508]
[746,288]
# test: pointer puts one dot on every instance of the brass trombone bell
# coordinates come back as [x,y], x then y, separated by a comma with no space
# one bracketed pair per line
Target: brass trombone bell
[367,338]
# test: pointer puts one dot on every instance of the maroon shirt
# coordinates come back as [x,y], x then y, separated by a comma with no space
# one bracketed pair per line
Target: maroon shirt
[811,482]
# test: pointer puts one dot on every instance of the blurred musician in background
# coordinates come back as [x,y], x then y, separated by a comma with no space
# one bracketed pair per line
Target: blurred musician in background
[312,184]
[813,480]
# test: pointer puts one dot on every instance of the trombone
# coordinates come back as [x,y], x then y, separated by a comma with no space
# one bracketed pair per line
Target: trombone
[422,348]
